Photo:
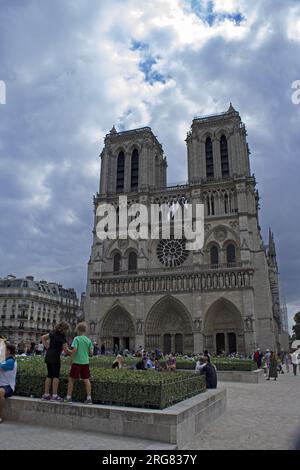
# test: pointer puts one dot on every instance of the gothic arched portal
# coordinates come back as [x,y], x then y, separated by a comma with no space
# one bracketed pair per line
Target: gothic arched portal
[224,328]
[169,327]
[117,331]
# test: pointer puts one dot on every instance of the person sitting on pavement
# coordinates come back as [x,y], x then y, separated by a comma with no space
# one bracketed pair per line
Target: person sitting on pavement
[8,372]
[209,371]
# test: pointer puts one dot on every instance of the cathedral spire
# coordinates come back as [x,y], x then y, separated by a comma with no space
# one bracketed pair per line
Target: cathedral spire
[272,249]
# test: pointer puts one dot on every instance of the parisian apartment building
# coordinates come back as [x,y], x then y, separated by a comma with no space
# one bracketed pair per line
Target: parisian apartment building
[30,308]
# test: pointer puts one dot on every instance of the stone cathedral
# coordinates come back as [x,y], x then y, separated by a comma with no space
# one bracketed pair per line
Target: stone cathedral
[155,293]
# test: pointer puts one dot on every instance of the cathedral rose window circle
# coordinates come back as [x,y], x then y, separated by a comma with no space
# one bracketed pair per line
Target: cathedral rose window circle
[172,252]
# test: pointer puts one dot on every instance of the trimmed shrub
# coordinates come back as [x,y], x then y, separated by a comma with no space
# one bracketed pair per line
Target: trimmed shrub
[184,364]
[145,389]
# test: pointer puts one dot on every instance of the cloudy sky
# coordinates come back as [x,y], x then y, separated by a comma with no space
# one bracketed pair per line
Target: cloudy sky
[73,68]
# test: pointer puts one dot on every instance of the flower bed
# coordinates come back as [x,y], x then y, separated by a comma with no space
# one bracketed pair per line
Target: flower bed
[145,389]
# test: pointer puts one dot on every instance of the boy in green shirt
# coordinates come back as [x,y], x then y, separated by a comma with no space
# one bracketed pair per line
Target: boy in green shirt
[82,347]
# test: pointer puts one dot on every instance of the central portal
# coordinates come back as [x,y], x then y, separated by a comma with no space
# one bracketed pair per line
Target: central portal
[169,327]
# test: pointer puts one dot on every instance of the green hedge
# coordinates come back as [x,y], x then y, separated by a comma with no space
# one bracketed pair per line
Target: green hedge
[185,364]
[145,389]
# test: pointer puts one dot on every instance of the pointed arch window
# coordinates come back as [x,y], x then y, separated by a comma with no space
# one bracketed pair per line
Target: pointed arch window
[231,254]
[209,158]
[134,170]
[226,206]
[132,262]
[120,172]
[224,156]
[212,201]
[117,263]
[214,255]
[208,205]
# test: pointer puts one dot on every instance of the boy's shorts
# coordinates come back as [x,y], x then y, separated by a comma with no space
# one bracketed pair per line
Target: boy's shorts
[80,371]
[8,391]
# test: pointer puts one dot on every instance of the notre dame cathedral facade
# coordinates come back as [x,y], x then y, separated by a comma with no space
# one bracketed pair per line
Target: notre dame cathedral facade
[154,293]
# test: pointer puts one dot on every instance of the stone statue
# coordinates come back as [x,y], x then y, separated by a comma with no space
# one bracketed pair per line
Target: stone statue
[249,323]
[139,327]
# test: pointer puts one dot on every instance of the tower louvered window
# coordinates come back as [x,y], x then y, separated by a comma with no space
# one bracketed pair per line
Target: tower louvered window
[209,158]
[224,157]
[135,170]
[120,172]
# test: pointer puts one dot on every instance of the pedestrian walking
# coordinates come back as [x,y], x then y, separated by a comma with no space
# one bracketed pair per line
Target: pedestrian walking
[296,360]
[287,361]
[257,357]
[273,366]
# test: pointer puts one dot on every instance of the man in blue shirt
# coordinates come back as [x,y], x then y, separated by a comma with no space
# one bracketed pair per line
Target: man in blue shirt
[8,372]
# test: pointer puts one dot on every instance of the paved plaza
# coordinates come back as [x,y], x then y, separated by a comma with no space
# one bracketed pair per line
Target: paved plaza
[258,416]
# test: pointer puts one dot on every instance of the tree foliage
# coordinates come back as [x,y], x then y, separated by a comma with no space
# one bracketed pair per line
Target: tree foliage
[296,327]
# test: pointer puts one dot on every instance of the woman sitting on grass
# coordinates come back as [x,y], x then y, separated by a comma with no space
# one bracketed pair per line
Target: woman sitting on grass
[119,362]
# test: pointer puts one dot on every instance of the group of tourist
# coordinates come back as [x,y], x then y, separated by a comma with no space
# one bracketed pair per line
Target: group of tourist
[147,361]
[273,363]
[31,349]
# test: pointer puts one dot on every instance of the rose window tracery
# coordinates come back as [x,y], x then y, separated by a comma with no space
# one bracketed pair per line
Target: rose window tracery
[172,253]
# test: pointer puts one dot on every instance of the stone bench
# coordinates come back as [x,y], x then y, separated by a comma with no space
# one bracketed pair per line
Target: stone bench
[177,424]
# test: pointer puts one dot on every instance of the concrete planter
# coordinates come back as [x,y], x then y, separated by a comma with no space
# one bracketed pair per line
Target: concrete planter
[255,376]
[177,424]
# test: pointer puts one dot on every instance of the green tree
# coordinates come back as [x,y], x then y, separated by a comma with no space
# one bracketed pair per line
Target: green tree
[296,327]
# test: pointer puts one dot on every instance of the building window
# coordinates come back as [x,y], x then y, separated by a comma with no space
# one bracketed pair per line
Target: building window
[117,263]
[214,255]
[132,262]
[231,256]
[120,172]
[212,200]
[134,170]
[210,205]
[224,156]
[209,158]
[226,204]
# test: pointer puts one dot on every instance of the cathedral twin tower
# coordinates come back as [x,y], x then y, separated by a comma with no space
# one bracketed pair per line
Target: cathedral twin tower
[157,294]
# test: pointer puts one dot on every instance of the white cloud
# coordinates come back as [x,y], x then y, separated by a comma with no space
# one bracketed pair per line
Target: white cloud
[293,24]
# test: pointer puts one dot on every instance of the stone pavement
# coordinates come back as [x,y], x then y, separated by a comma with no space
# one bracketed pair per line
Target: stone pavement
[258,416]
[20,436]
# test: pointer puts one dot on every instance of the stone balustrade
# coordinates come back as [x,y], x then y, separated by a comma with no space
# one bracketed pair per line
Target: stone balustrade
[235,278]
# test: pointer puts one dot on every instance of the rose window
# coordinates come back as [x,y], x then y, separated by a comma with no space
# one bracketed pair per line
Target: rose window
[172,252]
